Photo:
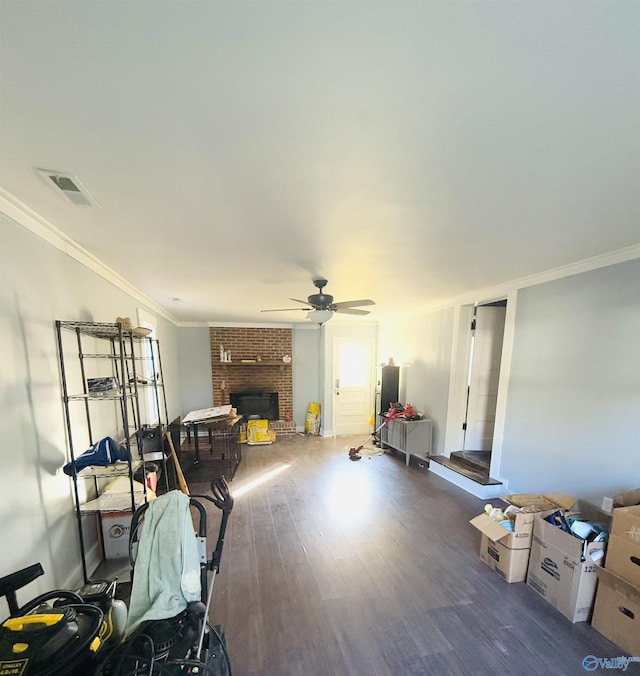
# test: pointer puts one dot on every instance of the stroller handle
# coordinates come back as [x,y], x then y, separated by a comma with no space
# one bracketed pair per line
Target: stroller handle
[222,498]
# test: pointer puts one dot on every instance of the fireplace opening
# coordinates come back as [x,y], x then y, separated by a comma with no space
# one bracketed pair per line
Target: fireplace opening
[263,405]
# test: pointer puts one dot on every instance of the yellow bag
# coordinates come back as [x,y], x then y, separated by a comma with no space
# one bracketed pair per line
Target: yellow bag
[258,433]
[312,421]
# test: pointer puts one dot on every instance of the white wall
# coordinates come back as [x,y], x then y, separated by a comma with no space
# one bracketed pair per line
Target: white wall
[39,284]
[574,393]
[573,383]
[421,345]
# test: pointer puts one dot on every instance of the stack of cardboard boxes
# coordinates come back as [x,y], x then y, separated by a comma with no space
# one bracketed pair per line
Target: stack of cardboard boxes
[556,564]
[617,609]
[507,552]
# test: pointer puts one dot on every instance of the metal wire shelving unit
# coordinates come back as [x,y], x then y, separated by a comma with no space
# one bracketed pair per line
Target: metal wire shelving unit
[124,358]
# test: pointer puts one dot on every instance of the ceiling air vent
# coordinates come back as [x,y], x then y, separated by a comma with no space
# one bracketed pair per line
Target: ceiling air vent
[68,186]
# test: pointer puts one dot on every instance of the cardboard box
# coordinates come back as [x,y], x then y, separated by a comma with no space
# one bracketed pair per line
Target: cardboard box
[562,569]
[623,559]
[626,523]
[617,611]
[510,564]
[522,533]
[540,503]
[115,534]
[520,538]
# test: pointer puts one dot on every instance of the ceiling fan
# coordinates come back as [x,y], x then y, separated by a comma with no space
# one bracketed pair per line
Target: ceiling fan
[321,307]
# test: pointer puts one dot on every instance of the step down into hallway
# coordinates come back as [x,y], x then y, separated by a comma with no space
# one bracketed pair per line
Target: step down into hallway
[469,470]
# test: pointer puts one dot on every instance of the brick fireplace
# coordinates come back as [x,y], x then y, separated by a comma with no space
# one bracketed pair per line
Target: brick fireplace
[269,374]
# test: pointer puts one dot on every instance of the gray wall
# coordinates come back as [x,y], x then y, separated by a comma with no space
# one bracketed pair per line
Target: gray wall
[194,358]
[574,393]
[306,344]
[196,390]
[421,345]
[39,284]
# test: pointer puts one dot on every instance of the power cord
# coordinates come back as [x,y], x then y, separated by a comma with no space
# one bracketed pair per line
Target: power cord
[371,452]
[223,646]
[137,658]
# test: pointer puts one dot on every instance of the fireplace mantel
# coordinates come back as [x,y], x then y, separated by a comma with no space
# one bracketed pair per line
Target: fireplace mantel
[254,363]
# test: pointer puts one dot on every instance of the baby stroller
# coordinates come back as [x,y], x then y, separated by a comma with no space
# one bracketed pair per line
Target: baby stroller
[78,633]
[159,641]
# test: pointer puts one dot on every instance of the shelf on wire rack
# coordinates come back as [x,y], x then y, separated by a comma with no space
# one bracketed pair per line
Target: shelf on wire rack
[102,330]
[120,468]
[113,502]
[113,395]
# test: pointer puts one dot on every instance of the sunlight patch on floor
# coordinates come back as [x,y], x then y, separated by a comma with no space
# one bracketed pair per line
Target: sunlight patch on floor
[263,478]
[349,494]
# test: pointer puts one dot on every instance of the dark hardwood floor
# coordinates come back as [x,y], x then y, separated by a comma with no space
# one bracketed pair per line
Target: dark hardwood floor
[371,568]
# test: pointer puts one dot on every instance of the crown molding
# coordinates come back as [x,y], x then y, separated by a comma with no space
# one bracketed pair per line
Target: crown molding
[27,218]
[500,291]
[250,325]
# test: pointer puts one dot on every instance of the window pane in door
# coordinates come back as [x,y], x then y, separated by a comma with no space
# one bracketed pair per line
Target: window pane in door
[353,366]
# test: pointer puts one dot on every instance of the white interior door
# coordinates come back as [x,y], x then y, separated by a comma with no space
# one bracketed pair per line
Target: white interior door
[353,385]
[484,376]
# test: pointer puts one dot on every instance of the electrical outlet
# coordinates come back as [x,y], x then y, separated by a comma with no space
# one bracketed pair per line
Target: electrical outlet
[607,505]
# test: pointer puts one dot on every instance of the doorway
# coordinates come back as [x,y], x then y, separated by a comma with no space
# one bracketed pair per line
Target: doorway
[485,354]
[467,407]
[353,369]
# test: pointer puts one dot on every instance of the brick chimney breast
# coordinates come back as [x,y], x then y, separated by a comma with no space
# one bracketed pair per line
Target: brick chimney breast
[270,374]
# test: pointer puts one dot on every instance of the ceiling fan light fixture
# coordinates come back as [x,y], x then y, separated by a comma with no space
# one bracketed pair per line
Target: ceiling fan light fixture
[320,316]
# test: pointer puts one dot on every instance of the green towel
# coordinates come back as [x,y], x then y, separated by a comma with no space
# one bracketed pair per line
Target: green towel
[167,567]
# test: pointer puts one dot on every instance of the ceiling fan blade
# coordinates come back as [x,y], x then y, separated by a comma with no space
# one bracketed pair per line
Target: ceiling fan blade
[287,309]
[352,303]
[351,311]
[324,301]
[306,302]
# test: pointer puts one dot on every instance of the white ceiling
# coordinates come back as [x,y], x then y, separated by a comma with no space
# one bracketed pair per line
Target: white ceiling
[407,151]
